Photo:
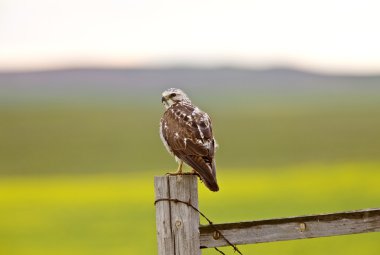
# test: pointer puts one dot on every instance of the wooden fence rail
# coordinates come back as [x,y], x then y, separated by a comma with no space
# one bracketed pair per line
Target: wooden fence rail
[179,232]
[312,226]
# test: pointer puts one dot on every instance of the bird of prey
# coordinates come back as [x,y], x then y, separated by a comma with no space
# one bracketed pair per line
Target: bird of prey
[186,133]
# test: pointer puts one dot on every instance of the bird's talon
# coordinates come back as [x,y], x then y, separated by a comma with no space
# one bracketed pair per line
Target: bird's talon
[174,173]
[190,173]
[195,173]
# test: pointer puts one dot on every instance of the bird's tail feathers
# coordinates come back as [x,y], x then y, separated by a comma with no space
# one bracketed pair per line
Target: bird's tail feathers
[207,172]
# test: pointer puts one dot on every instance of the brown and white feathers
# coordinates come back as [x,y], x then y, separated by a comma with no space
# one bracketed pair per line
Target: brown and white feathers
[186,132]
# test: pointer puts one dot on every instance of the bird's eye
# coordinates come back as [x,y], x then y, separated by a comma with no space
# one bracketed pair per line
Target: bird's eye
[173,94]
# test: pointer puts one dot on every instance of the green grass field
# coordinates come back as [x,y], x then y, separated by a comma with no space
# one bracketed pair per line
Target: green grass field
[114,213]
[77,178]
[120,137]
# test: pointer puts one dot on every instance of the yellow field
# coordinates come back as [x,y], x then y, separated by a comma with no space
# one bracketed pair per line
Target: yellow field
[114,213]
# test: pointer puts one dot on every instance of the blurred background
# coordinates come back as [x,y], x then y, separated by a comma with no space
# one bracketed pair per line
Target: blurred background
[292,87]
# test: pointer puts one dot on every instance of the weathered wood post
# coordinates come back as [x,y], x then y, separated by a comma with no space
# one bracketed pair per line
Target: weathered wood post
[177,223]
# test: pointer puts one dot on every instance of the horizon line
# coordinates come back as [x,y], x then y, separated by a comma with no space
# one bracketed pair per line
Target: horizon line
[73,67]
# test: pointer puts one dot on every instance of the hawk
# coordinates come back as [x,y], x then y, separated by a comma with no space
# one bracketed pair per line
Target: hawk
[186,133]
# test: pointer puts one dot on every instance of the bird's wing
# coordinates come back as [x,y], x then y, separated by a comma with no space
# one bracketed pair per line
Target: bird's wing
[188,132]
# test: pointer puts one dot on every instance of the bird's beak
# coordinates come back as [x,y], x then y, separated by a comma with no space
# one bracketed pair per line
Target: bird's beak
[163,99]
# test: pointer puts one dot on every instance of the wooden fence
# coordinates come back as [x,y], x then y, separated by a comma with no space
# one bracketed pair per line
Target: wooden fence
[179,231]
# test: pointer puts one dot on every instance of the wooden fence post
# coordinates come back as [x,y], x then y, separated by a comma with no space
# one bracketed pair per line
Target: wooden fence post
[177,223]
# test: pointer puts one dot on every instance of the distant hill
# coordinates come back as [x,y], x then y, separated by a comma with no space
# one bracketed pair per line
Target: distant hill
[149,82]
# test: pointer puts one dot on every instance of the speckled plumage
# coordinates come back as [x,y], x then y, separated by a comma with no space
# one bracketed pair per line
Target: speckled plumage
[186,132]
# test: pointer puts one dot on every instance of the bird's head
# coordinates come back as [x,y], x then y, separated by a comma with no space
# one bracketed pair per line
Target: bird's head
[172,96]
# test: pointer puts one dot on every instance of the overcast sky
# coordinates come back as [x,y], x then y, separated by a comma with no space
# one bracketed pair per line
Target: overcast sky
[322,35]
